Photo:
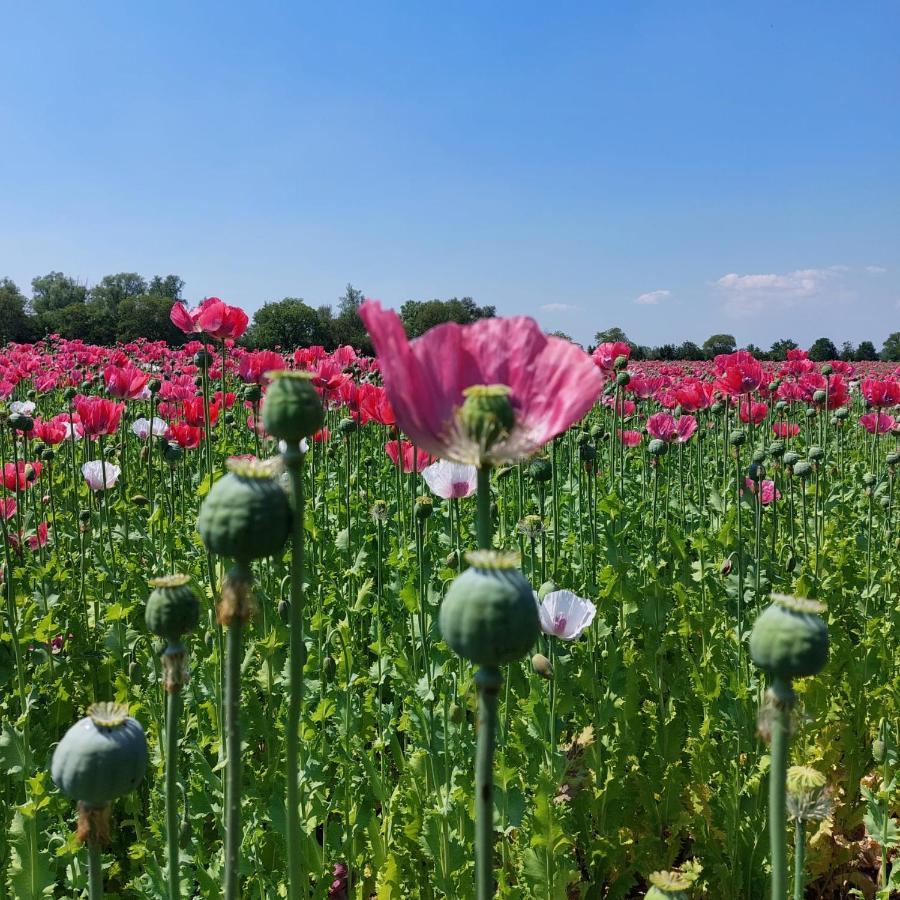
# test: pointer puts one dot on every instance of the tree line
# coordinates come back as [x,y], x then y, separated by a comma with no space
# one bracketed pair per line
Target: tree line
[126,306]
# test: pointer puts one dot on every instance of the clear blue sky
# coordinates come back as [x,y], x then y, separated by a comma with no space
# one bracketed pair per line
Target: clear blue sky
[675,168]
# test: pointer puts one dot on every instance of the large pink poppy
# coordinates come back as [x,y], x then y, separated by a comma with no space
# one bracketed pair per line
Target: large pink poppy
[552,382]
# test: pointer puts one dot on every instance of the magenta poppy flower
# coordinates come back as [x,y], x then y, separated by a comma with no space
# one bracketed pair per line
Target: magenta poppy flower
[662,426]
[125,382]
[212,316]
[882,394]
[605,355]
[877,422]
[451,480]
[630,438]
[405,455]
[767,493]
[756,413]
[786,429]
[552,382]
[98,417]
[253,366]
[740,373]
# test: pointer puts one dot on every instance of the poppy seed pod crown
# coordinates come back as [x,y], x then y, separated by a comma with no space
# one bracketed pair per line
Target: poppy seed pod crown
[292,408]
[790,638]
[487,415]
[489,615]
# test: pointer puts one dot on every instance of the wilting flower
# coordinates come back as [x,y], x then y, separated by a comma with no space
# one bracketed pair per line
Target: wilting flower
[565,615]
[450,479]
[877,422]
[98,416]
[552,383]
[143,428]
[93,472]
[767,490]
[404,452]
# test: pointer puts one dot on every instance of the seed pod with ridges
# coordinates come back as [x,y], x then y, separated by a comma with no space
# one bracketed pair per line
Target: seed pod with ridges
[790,638]
[657,448]
[489,615]
[790,458]
[668,886]
[292,408]
[816,454]
[737,438]
[246,515]
[101,757]
[173,608]
[802,468]
[540,469]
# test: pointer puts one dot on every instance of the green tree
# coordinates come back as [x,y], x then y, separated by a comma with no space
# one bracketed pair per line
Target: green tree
[891,349]
[55,291]
[865,352]
[166,286]
[666,352]
[564,335]
[288,324]
[348,326]
[847,351]
[419,316]
[611,335]
[147,316]
[689,350]
[781,348]
[15,323]
[823,350]
[111,290]
[80,321]
[719,343]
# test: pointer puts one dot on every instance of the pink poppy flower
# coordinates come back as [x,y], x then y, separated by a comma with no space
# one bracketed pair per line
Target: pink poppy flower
[662,426]
[404,452]
[685,426]
[552,383]
[768,492]
[740,373]
[125,382]
[786,429]
[253,366]
[565,615]
[877,422]
[630,438]
[451,480]
[883,394]
[605,355]
[756,414]
[98,416]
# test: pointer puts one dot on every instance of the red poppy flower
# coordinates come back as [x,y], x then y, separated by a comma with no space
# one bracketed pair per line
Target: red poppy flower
[187,436]
[126,382]
[394,450]
[98,416]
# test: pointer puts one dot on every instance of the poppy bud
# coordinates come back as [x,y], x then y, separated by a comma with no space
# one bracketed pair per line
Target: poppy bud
[172,454]
[541,666]
[541,469]
[737,438]
[135,672]
[757,471]
[781,406]
[879,749]
[725,568]
[587,452]
[716,407]
[657,448]
[893,458]
[48,455]
[773,386]
[455,713]
[347,426]
[202,359]
[827,369]
[139,500]
[284,609]
[841,413]
[292,410]
[84,517]
[452,560]
[329,668]
[622,379]
[620,362]
[69,393]
[154,385]
[791,563]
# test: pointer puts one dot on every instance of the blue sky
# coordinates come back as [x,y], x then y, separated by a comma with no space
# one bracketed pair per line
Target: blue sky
[676,169]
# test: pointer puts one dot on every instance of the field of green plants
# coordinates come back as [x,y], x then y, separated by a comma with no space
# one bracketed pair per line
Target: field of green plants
[341,699]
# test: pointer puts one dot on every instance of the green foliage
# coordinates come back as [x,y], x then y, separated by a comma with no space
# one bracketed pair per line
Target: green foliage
[15,323]
[891,349]
[289,323]
[780,348]
[822,350]
[420,316]
[719,343]
[55,291]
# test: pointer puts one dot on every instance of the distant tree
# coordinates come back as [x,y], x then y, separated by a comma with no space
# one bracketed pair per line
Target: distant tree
[147,316]
[822,350]
[890,352]
[421,315]
[79,321]
[758,352]
[55,291]
[15,323]
[563,335]
[689,350]
[610,336]
[865,352]
[666,352]
[288,324]
[641,351]
[719,343]
[166,286]
[111,290]
[780,349]
[847,351]
[348,326]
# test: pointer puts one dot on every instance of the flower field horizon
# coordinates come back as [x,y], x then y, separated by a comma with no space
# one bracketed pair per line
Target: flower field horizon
[480,615]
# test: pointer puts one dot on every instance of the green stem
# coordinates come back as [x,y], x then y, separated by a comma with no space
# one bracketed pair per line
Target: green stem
[294,461]
[781,695]
[95,871]
[233,757]
[173,714]
[483,508]
[799,857]
[488,681]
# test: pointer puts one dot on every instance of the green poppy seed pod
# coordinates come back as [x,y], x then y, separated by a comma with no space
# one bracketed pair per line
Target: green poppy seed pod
[246,515]
[781,406]
[802,469]
[737,438]
[84,517]
[776,449]
[622,379]
[154,385]
[657,448]
[668,886]
[424,508]
[140,500]
[773,386]
[879,750]
[203,359]
[489,615]
[790,638]
[284,609]
[172,454]
[811,412]
[757,471]
[229,418]
[542,666]
[827,369]
[347,426]
[69,393]
[455,713]
[252,393]
[540,469]
[893,458]
[38,447]
[790,458]
[486,415]
[452,560]
[86,386]
[758,457]
[198,381]
[841,413]
[818,396]
[30,474]
[100,758]
[21,422]
[48,455]
[292,410]
[587,452]
[816,454]
[173,608]
[716,407]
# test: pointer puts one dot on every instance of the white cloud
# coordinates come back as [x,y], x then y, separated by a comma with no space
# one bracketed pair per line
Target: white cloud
[651,298]
[749,294]
[558,307]
[876,270]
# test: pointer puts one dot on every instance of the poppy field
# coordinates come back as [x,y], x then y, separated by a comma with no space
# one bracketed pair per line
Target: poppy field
[482,615]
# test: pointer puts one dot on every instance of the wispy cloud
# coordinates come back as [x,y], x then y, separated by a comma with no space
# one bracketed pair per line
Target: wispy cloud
[749,294]
[876,270]
[558,307]
[651,298]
